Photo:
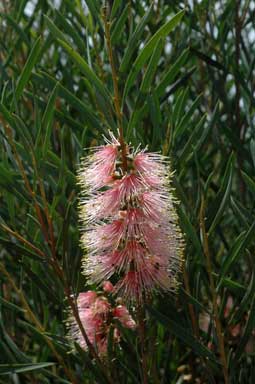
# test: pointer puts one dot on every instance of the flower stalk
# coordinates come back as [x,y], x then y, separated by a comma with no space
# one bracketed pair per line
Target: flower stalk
[116,98]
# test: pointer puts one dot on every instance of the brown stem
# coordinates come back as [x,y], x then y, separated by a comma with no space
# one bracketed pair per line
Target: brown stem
[116,98]
[214,295]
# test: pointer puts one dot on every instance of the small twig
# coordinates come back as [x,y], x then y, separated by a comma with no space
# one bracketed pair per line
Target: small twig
[214,295]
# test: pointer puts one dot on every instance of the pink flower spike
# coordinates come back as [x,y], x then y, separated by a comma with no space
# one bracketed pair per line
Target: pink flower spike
[130,226]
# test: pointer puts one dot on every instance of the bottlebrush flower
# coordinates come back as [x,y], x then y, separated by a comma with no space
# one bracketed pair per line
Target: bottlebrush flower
[129,223]
[97,314]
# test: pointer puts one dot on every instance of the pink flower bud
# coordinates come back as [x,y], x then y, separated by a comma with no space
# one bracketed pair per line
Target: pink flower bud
[107,286]
[122,314]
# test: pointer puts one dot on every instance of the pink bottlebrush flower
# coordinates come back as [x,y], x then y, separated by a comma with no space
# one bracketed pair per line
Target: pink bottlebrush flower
[130,227]
[96,315]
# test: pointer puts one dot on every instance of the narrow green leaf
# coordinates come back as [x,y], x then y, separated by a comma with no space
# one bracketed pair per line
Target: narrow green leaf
[78,104]
[249,327]
[118,26]
[227,181]
[10,305]
[148,48]
[179,83]
[55,31]
[23,130]
[26,72]
[249,181]
[183,334]
[172,72]
[187,116]
[189,230]
[188,149]
[179,105]
[18,368]
[70,31]
[81,63]
[242,242]
[7,115]
[16,27]
[115,7]
[47,118]
[150,71]
[134,39]
[94,10]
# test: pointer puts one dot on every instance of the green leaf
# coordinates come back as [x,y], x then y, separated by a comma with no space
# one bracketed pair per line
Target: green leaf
[249,327]
[20,31]
[134,39]
[117,30]
[190,230]
[187,116]
[70,31]
[11,306]
[81,63]
[115,7]
[148,48]
[192,142]
[94,9]
[6,369]
[183,334]
[240,244]
[249,181]
[224,192]
[78,104]
[26,72]
[47,118]
[150,71]
[7,115]
[55,31]
[172,72]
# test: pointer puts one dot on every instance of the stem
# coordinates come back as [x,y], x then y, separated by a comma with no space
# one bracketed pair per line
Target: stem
[214,295]
[116,98]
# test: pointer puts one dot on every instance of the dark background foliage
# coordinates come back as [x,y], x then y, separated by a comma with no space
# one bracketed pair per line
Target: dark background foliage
[190,96]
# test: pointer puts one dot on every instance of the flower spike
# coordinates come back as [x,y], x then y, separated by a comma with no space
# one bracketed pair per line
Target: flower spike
[129,224]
